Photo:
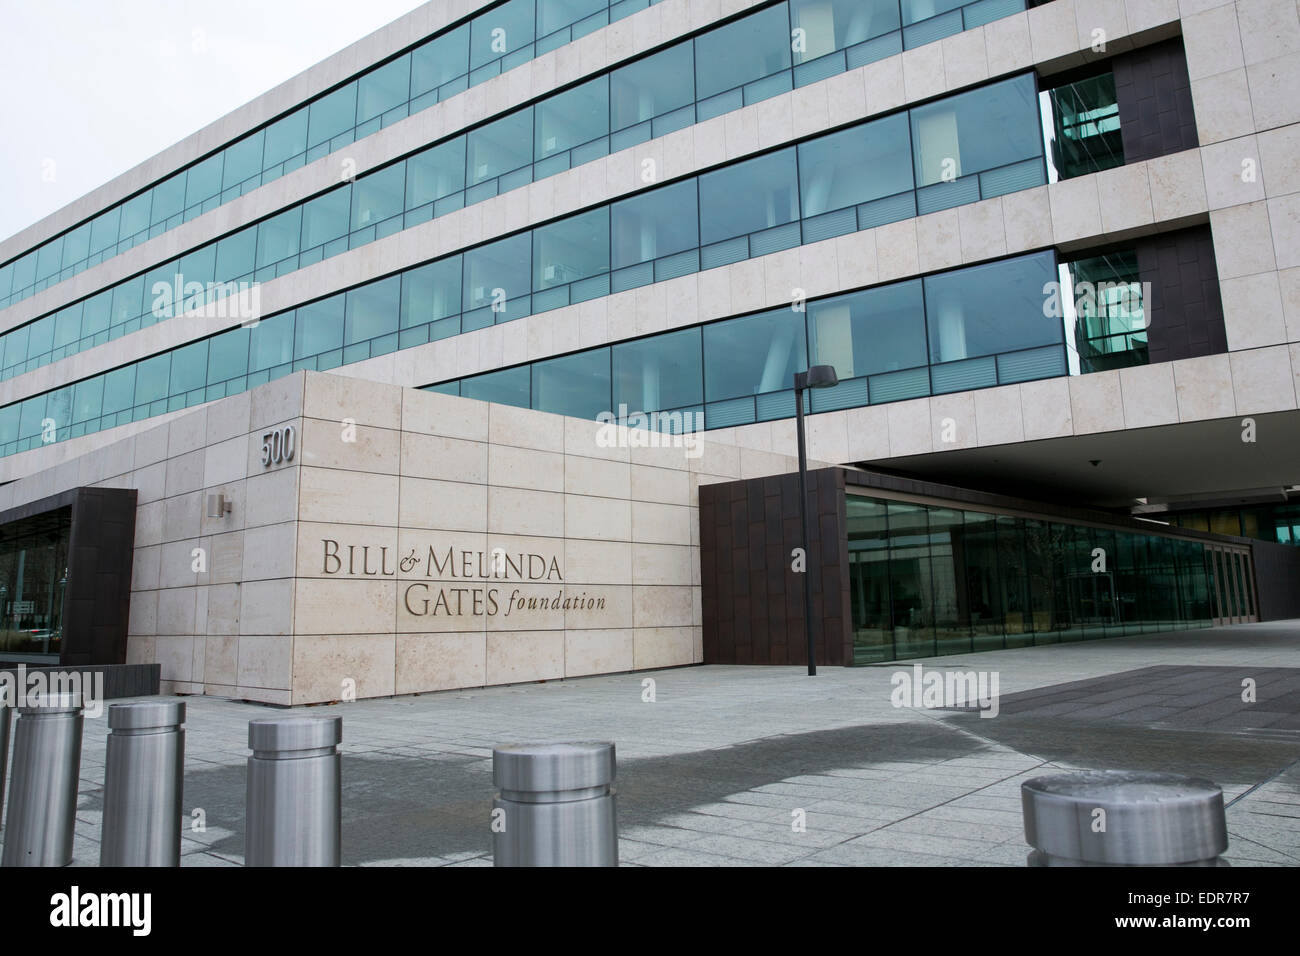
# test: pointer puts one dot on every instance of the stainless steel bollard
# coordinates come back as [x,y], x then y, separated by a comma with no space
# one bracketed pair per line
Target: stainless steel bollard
[294,792]
[43,789]
[6,715]
[143,777]
[556,806]
[1124,818]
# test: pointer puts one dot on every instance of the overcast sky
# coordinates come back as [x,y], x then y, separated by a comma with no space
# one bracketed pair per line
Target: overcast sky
[90,88]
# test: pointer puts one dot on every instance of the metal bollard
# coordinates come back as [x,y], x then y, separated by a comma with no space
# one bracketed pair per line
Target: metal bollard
[43,797]
[294,792]
[1124,818]
[556,806]
[144,774]
[6,715]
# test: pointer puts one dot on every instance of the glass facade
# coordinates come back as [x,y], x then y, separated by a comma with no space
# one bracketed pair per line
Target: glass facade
[970,328]
[1277,523]
[1085,128]
[1106,318]
[929,579]
[815,190]
[722,69]
[33,579]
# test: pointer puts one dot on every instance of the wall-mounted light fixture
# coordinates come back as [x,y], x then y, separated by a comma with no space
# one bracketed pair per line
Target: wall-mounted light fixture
[218,506]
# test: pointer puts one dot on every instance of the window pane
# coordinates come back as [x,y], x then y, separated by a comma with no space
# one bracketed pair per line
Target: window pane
[500,147]
[854,166]
[277,237]
[651,87]
[67,327]
[372,310]
[49,258]
[168,199]
[16,345]
[326,218]
[435,173]
[151,378]
[504,265]
[319,327]
[204,180]
[431,292]
[830,25]
[199,265]
[571,249]
[135,218]
[103,230]
[119,390]
[440,60]
[575,385]
[508,387]
[757,46]
[271,342]
[494,34]
[874,331]
[378,196]
[915,10]
[236,254]
[285,138]
[25,270]
[189,368]
[655,224]
[128,300]
[76,244]
[753,354]
[96,312]
[243,160]
[554,14]
[380,90]
[991,308]
[41,337]
[661,372]
[978,130]
[331,115]
[751,196]
[572,118]
[228,355]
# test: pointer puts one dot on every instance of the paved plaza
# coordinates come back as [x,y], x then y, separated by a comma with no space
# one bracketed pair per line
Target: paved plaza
[720,765]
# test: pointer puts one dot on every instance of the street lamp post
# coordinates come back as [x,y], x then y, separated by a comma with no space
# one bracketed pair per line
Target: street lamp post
[817,376]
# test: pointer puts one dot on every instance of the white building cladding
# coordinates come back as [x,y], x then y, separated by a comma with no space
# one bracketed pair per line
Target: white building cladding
[921,279]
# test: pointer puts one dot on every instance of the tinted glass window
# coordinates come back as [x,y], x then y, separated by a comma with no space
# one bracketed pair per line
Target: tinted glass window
[874,331]
[576,385]
[510,386]
[571,249]
[655,224]
[830,25]
[753,354]
[651,87]
[435,173]
[975,131]
[751,196]
[854,166]
[991,308]
[662,372]
[382,89]
[751,48]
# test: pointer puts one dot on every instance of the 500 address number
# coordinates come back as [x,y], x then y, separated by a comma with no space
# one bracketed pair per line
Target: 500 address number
[278,446]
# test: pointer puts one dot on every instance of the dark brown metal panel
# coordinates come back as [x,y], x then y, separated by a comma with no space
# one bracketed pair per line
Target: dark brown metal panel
[759,619]
[97,603]
[1185,309]
[1155,101]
